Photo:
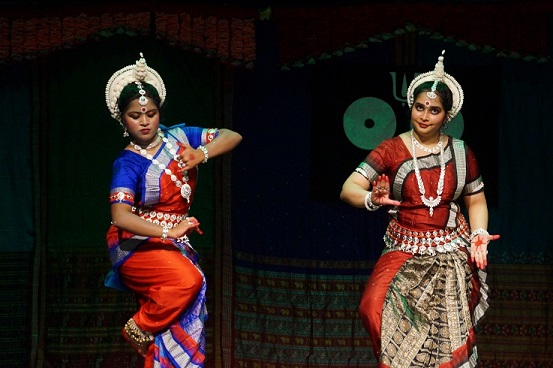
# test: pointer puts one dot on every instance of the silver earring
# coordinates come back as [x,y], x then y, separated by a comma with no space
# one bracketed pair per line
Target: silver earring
[125,133]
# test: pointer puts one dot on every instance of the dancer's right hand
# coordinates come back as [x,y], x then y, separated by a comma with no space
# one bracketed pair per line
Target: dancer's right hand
[381,192]
[185,227]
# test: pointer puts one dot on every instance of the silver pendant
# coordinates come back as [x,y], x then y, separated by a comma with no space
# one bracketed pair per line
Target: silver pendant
[431,203]
[186,191]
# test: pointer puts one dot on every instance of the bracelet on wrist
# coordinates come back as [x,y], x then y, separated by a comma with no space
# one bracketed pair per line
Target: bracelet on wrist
[478,232]
[369,205]
[206,153]
[164,233]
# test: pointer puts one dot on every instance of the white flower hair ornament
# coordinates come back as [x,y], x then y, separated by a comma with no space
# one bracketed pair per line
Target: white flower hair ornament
[438,75]
[137,73]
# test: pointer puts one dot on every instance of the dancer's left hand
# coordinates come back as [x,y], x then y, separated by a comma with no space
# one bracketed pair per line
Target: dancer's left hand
[479,249]
[185,227]
[190,157]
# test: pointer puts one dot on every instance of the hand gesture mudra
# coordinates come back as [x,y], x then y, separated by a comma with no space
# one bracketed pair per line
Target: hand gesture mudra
[186,227]
[479,249]
[381,192]
[190,157]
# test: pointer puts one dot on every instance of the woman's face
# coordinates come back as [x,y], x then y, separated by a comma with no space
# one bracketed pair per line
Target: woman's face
[142,122]
[427,115]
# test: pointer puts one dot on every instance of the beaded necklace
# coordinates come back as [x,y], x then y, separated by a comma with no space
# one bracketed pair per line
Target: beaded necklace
[185,189]
[151,145]
[429,202]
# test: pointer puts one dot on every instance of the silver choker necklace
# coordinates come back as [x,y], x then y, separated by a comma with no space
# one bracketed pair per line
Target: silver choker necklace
[185,189]
[437,148]
[429,202]
[151,145]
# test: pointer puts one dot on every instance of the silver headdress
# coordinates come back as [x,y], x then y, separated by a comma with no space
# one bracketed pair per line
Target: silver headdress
[438,75]
[137,73]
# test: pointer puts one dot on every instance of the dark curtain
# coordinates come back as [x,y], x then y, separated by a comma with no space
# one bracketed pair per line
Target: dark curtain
[507,29]
[526,152]
[17,230]
[16,171]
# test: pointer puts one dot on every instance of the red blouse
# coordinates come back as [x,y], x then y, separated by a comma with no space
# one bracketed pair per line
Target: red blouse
[462,177]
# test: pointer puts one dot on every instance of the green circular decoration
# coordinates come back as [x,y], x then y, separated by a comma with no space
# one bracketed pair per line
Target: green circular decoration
[456,126]
[368,121]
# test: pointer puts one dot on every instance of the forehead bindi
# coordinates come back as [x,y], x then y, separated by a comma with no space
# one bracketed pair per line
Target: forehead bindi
[135,106]
[424,100]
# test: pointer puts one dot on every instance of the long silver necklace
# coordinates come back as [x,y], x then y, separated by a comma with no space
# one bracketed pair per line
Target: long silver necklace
[185,189]
[429,202]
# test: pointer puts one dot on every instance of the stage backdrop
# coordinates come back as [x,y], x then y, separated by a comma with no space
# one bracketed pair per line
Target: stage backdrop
[16,198]
[298,264]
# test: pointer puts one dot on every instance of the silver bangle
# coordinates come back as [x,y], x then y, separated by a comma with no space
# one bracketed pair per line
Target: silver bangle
[478,232]
[164,233]
[206,154]
[369,205]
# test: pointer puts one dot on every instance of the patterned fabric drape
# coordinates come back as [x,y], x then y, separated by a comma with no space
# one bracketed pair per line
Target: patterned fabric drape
[513,29]
[230,40]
